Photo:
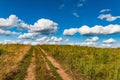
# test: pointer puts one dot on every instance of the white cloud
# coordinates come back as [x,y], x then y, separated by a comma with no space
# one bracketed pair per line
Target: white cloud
[89,44]
[44,26]
[106,45]
[90,41]
[109,41]
[104,10]
[95,30]
[70,32]
[9,22]
[26,42]
[27,35]
[66,40]
[23,26]
[43,39]
[11,41]
[55,39]
[99,30]
[35,43]
[108,17]
[76,14]
[7,32]
[93,39]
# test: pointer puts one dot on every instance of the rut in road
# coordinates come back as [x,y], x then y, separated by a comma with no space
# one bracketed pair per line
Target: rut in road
[60,71]
[31,69]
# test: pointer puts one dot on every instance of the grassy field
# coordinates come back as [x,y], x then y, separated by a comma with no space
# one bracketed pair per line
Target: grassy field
[16,59]
[11,59]
[82,63]
[87,63]
[42,72]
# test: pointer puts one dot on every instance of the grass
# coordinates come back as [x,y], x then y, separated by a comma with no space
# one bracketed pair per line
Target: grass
[41,72]
[23,66]
[82,63]
[11,57]
[87,63]
[15,60]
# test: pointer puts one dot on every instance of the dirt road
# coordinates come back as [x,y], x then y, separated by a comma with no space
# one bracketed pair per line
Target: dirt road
[60,71]
[31,69]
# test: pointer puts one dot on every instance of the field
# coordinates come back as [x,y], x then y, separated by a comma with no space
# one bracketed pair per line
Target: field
[87,63]
[58,62]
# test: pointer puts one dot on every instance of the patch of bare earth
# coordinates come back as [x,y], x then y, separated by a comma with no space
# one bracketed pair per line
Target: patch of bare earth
[60,71]
[31,69]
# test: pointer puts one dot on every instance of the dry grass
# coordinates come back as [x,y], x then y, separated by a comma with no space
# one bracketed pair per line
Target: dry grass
[87,63]
[10,60]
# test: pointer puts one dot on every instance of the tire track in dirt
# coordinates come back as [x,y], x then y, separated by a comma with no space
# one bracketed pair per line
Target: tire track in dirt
[31,69]
[58,67]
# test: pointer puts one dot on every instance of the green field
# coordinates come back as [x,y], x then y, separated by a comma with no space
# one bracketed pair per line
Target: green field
[80,62]
[87,63]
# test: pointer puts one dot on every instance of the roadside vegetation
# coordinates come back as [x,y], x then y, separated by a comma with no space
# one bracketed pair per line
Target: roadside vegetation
[80,62]
[15,60]
[87,63]
[44,69]
[11,58]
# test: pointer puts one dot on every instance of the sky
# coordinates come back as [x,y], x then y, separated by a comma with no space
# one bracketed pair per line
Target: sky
[75,22]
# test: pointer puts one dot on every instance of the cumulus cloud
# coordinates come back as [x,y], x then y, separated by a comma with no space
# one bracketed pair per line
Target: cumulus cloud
[35,43]
[7,32]
[9,22]
[70,32]
[55,39]
[95,30]
[66,40]
[11,41]
[26,42]
[100,30]
[105,45]
[109,41]
[90,41]
[44,26]
[108,17]
[89,44]
[104,10]
[43,39]
[27,35]
[93,39]
[23,26]
[76,14]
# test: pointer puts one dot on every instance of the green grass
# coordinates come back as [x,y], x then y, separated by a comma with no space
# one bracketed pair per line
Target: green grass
[11,56]
[82,63]
[88,63]
[41,73]
[23,66]
[53,69]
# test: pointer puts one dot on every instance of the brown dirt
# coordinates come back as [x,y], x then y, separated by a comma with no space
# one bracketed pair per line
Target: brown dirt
[31,69]
[58,67]
[47,67]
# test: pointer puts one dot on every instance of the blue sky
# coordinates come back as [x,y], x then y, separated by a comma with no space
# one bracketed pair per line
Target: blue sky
[81,22]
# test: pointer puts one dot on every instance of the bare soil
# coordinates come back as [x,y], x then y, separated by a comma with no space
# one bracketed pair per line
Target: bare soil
[58,67]
[31,69]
